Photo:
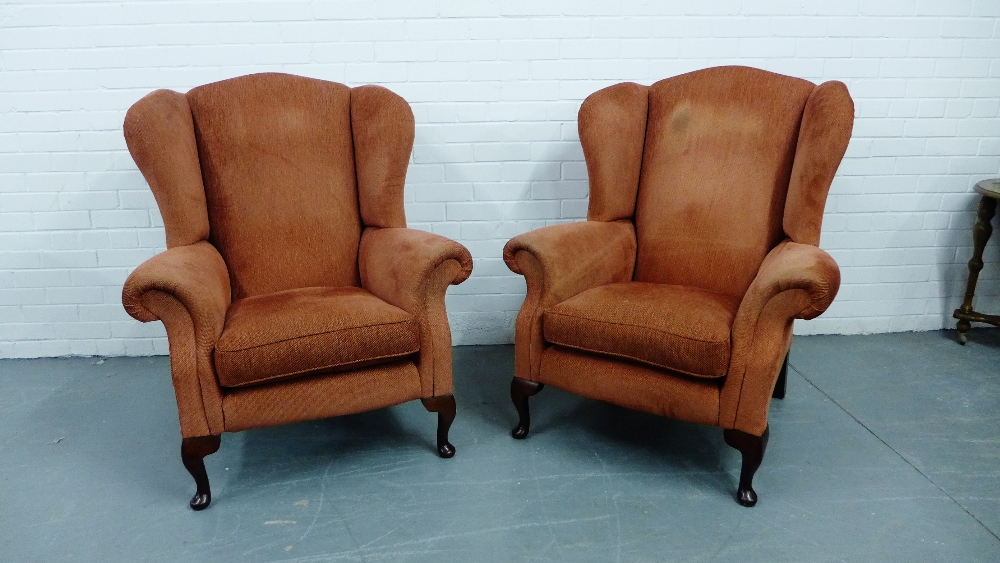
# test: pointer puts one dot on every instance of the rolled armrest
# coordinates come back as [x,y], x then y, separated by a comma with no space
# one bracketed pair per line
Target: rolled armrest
[790,266]
[795,281]
[194,274]
[187,287]
[412,270]
[557,263]
[573,257]
[396,264]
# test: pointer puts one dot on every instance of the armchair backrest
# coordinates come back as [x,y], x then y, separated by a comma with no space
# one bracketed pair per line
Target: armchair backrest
[279,172]
[715,167]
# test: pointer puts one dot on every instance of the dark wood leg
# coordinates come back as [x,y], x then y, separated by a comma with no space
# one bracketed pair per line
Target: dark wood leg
[752,447]
[520,390]
[193,453]
[782,384]
[981,232]
[444,406]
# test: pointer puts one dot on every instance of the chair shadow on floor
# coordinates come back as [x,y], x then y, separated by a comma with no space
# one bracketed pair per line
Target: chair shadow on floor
[575,425]
[269,457]
[146,461]
[569,426]
[637,441]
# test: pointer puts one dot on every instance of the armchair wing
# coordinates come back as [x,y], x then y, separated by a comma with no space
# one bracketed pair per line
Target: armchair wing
[412,269]
[795,281]
[187,287]
[558,262]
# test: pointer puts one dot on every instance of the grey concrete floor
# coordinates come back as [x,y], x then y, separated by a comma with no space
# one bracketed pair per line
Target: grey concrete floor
[885,449]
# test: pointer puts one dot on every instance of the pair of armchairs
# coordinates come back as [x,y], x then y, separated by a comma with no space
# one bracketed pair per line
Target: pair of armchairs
[292,290]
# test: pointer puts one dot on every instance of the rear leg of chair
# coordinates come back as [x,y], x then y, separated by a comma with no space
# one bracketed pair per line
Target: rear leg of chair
[520,390]
[444,406]
[752,447]
[193,453]
[782,384]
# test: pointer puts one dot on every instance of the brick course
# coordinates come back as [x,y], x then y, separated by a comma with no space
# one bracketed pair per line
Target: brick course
[495,87]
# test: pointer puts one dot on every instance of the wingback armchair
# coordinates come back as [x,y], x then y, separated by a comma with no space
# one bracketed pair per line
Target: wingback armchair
[291,288]
[677,295]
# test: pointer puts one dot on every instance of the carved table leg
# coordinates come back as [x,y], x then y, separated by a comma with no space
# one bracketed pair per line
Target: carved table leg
[193,453]
[981,232]
[444,406]
[752,447]
[782,384]
[520,390]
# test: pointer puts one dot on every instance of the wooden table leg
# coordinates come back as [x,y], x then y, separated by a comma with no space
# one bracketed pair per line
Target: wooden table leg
[980,234]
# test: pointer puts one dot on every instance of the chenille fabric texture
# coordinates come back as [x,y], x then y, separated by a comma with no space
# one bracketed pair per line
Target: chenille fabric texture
[291,288]
[678,293]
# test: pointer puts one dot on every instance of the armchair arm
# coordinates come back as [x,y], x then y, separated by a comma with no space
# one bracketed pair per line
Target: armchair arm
[557,263]
[412,269]
[795,281]
[187,287]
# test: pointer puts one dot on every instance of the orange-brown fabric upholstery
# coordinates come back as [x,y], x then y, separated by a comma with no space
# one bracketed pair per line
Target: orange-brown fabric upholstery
[321,396]
[309,330]
[684,329]
[187,287]
[826,129]
[632,385]
[411,270]
[714,176]
[559,262]
[159,133]
[382,124]
[277,153]
[275,309]
[796,281]
[677,295]
[612,127]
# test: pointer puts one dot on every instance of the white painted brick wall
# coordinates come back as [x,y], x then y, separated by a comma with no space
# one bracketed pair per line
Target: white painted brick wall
[495,87]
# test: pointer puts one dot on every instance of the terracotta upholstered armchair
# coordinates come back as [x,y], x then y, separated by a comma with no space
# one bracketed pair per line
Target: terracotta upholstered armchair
[677,295]
[291,288]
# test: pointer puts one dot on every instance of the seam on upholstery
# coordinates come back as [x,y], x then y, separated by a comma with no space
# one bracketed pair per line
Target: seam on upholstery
[425,293]
[319,369]
[427,297]
[136,308]
[362,271]
[540,293]
[357,182]
[635,202]
[441,259]
[197,368]
[646,362]
[538,318]
[809,309]
[639,326]
[217,349]
[753,348]
[427,352]
[743,376]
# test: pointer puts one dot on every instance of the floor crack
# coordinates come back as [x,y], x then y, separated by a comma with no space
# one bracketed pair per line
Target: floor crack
[894,450]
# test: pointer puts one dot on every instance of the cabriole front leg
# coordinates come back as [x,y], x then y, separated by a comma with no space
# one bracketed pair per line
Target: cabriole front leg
[193,453]
[520,390]
[444,406]
[752,447]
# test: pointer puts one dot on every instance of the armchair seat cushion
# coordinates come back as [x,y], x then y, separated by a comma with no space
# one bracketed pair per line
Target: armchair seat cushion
[679,328]
[310,330]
